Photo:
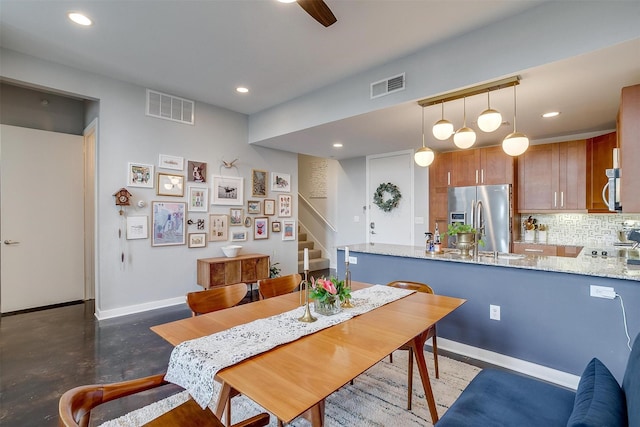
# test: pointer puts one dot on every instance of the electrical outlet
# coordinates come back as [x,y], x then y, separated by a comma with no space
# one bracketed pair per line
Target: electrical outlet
[602,292]
[353,260]
[494,312]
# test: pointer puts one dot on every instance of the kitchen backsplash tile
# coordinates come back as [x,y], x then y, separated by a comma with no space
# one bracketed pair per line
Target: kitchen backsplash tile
[592,230]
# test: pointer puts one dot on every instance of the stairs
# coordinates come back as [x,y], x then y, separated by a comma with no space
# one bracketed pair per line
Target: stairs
[318,266]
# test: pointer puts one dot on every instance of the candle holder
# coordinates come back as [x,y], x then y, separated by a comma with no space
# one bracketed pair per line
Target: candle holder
[347,284]
[306,317]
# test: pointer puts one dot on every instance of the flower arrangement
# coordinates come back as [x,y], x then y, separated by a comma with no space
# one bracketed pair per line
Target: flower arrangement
[328,290]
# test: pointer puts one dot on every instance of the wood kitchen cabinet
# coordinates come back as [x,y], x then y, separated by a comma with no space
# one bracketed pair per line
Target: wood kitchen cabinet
[482,166]
[599,159]
[552,177]
[223,271]
[629,144]
[439,183]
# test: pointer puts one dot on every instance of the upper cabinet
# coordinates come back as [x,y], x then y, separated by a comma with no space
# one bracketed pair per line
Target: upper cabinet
[629,143]
[552,177]
[439,182]
[599,159]
[483,166]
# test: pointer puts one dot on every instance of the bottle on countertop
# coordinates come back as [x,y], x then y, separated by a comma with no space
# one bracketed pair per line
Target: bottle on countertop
[429,237]
[436,240]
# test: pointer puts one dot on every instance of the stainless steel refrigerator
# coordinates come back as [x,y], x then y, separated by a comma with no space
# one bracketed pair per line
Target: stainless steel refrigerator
[495,204]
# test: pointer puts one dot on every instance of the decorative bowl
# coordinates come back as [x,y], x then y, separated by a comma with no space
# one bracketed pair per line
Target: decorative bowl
[231,251]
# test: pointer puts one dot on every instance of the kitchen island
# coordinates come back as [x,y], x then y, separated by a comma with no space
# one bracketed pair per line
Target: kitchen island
[549,324]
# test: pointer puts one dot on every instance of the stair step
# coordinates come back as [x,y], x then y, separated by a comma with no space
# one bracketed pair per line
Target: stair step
[302,237]
[313,254]
[309,245]
[314,264]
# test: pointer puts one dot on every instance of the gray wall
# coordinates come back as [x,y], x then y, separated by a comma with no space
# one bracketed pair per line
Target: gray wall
[547,318]
[153,276]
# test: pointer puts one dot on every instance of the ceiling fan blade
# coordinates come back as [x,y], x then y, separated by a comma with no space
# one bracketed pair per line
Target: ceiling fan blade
[319,11]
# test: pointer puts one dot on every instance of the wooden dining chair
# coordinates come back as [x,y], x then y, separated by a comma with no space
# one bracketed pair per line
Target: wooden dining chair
[269,288]
[76,404]
[431,333]
[215,299]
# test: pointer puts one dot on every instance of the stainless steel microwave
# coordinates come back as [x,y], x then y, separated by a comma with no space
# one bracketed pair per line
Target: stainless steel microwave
[611,190]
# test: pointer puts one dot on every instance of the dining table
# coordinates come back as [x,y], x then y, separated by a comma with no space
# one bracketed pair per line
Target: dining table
[295,378]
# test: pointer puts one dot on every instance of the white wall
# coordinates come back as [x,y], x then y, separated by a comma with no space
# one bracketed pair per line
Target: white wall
[153,276]
[553,31]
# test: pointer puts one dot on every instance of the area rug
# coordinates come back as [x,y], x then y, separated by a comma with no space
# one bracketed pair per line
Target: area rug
[377,398]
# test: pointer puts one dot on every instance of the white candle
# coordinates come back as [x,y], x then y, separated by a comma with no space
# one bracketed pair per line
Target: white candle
[346,254]
[306,259]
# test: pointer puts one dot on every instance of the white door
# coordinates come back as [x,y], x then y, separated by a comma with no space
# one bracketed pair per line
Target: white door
[395,226]
[42,223]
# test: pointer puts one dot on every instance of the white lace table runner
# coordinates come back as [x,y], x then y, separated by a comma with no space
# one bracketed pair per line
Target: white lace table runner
[194,364]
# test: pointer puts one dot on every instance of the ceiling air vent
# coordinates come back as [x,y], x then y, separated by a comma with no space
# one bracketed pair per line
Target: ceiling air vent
[169,107]
[387,86]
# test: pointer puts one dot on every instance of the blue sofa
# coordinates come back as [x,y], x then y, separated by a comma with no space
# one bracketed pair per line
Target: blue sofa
[498,398]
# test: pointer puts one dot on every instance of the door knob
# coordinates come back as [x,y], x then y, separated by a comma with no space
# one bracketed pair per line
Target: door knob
[10,242]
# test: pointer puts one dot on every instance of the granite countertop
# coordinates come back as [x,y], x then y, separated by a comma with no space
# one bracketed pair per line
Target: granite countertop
[583,264]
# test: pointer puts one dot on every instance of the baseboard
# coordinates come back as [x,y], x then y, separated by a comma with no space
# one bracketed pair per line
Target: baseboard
[138,308]
[554,376]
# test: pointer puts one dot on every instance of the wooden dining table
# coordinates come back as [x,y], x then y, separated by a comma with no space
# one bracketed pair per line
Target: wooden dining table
[295,378]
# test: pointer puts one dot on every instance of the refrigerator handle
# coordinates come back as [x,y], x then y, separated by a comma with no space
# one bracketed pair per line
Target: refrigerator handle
[473,213]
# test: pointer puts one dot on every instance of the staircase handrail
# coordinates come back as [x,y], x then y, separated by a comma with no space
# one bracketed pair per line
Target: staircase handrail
[315,211]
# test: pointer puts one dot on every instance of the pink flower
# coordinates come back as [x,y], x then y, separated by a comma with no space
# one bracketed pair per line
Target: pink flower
[327,285]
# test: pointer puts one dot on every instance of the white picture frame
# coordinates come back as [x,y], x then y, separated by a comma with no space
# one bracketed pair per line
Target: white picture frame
[166,161]
[239,235]
[280,182]
[140,175]
[285,205]
[197,240]
[137,227]
[227,190]
[289,229]
[198,198]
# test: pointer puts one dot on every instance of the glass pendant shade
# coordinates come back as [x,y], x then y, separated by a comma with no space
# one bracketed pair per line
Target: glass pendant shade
[443,129]
[515,143]
[464,138]
[424,157]
[489,120]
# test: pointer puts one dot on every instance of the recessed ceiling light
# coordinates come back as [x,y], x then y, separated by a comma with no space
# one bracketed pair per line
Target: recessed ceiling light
[79,18]
[551,114]
[287,1]
[337,145]
[242,89]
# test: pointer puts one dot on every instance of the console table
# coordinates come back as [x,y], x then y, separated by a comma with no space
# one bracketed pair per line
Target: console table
[223,271]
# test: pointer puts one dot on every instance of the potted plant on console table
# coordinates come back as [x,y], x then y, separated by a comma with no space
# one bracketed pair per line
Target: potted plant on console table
[465,237]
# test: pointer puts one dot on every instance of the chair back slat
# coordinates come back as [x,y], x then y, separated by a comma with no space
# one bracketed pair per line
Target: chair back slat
[215,299]
[414,286]
[269,288]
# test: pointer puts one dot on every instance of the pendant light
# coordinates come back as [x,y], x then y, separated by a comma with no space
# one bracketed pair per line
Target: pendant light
[443,129]
[516,142]
[425,155]
[490,119]
[464,137]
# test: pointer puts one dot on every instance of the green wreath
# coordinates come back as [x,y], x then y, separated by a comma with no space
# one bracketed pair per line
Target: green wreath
[387,205]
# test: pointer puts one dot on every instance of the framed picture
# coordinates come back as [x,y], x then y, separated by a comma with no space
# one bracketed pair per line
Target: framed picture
[289,229]
[196,171]
[238,235]
[170,162]
[284,205]
[269,207]
[275,226]
[258,183]
[247,221]
[280,182]
[253,206]
[261,228]
[168,222]
[197,240]
[170,185]
[137,227]
[218,228]
[139,175]
[236,216]
[198,199]
[227,190]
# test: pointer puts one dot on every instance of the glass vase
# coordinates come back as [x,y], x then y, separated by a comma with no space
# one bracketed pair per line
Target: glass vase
[327,307]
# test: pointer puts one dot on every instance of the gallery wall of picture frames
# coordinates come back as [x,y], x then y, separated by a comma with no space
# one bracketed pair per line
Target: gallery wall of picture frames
[215,209]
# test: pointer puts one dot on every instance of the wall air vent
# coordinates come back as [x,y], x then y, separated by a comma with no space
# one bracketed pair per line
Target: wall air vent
[387,86]
[169,107]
